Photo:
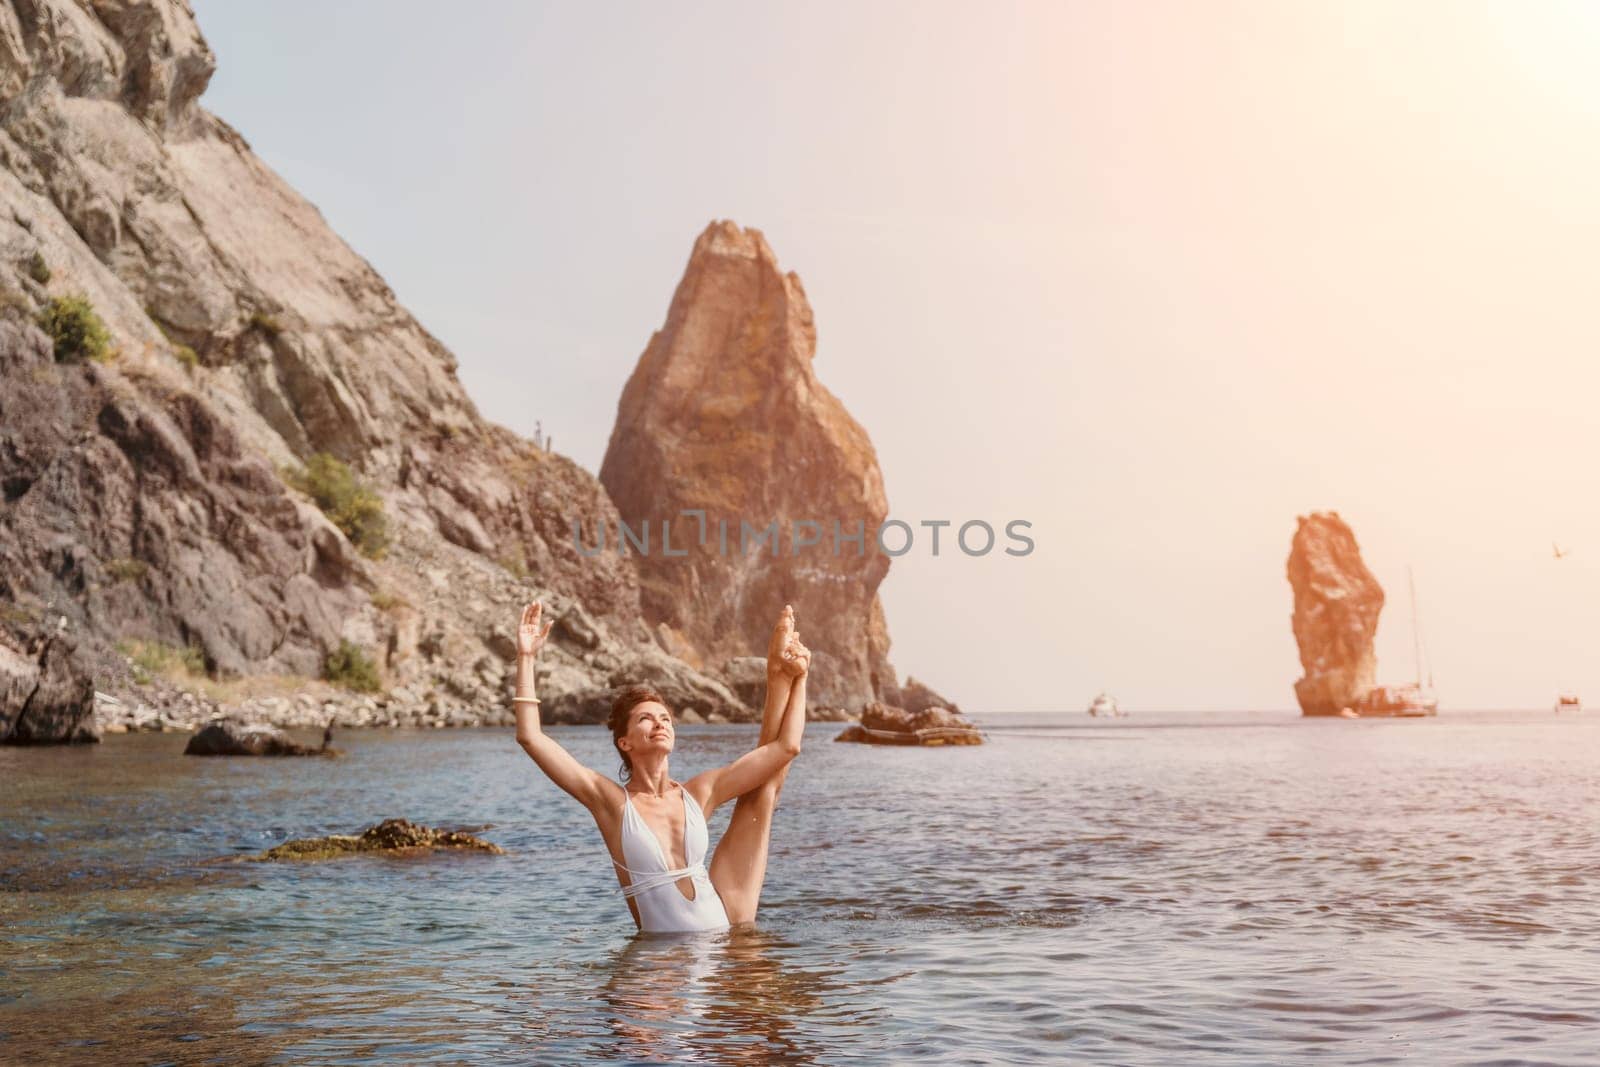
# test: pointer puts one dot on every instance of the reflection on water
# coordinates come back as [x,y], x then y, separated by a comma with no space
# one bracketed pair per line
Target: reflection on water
[724,998]
[1231,889]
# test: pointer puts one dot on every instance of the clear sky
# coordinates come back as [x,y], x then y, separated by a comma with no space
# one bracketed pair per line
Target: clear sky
[1156,277]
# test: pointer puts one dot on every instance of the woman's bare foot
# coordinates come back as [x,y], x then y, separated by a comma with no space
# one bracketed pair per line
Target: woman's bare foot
[796,657]
[781,633]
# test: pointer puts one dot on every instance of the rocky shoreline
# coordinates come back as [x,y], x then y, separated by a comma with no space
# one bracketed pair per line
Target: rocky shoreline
[153,710]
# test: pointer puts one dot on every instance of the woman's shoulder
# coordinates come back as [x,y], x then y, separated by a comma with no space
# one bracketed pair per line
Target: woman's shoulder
[697,789]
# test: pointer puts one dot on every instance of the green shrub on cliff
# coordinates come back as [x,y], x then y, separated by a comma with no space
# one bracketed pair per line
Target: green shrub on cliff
[76,329]
[353,505]
[350,667]
[386,601]
[153,659]
[267,324]
[38,269]
[126,569]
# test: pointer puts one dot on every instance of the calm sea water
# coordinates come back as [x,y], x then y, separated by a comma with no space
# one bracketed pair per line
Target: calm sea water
[1165,889]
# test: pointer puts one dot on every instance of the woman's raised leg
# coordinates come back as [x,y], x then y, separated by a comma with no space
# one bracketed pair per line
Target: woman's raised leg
[739,865]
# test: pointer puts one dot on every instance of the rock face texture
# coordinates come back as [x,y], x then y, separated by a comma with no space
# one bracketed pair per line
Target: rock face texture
[143,497]
[724,415]
[1336,606]
[46,692]
[132,509]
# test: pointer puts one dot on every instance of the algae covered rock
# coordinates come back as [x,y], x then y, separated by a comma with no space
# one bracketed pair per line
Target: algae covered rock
[393,837]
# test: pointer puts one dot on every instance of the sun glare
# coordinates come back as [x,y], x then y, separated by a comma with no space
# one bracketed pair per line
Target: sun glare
[1554,45]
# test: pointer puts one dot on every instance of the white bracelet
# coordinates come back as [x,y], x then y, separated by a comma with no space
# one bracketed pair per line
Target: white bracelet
[524,700]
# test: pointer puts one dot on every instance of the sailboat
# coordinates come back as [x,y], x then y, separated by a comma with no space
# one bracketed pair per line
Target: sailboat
[1409,699]
[1566,700]
[1104,706]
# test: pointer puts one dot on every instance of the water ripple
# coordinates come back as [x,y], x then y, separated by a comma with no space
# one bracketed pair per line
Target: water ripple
[1235,889]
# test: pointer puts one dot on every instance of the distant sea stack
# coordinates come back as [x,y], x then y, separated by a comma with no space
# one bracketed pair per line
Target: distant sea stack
[1336,606]
[724,415]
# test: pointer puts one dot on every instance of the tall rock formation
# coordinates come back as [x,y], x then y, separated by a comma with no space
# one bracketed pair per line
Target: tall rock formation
[1336,606]
[246,337]
[724,415]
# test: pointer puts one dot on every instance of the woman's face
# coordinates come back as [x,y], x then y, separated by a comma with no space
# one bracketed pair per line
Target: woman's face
[649,729]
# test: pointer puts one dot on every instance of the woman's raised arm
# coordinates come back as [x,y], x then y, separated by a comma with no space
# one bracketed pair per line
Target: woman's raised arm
[586,785]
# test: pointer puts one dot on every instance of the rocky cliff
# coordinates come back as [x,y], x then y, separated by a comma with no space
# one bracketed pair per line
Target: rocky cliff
[148,493]
[724,417]
[157,509]
[1336,606]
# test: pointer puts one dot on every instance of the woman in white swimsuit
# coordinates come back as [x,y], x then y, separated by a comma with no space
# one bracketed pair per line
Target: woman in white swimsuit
[655,827]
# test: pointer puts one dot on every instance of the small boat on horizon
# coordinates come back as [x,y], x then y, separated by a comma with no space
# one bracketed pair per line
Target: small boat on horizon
[1408,700]
[1568,702]
[1104,706]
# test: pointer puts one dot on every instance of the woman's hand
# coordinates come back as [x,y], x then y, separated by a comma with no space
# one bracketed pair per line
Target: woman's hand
[796,658]
[780,641]
[530,637]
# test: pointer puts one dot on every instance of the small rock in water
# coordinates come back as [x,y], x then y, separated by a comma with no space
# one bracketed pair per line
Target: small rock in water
[395,837]
[882,724]
[228,738]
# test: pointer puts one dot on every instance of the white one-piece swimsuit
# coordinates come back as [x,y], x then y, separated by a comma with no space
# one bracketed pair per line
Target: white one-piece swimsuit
[653,886]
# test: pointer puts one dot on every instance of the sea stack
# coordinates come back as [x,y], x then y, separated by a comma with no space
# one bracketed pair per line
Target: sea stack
[1336,606]
[724,417]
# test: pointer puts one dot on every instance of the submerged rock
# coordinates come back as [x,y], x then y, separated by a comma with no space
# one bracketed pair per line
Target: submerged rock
[396,837]
[882,724]
[228,738]
[1336,606]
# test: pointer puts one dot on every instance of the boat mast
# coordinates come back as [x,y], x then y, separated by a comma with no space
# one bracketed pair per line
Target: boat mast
[1416,632]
